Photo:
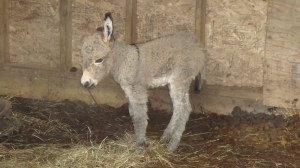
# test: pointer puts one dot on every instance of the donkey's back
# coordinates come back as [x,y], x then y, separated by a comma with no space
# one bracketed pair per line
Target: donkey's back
[171,58]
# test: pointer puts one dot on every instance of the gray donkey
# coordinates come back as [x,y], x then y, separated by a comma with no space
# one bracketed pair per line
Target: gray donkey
[173,60]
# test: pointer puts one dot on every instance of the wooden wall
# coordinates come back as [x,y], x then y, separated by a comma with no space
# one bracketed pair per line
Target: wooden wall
[235,40]
[37,77]
[31,24]
[282,61]
[235,31]
[40,41]
[159,18]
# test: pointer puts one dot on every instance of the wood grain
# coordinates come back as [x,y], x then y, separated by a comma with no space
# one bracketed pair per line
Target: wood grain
[3,32]
[130,23]
[282,61]
[65,35]
[200,20]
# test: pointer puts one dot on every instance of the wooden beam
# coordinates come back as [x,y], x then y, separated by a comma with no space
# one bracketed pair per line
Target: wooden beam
[4,57]
[42,85]
[130,23]
[65,35]
[200,20]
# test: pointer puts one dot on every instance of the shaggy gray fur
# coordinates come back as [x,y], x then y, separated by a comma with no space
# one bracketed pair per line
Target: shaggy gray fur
[172,60]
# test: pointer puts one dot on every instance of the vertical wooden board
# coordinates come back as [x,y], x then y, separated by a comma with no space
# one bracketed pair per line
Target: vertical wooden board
[130,23]
[200,20]
[282,60]
[3,31]
[65,35]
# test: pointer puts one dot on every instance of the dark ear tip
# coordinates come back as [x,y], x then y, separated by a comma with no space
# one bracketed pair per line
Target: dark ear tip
[100,29]
[108,14]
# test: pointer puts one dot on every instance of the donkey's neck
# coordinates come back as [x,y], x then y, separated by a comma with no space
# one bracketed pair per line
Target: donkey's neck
[124,55]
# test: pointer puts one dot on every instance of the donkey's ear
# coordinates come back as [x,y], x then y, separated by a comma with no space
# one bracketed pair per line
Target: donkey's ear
[108,27]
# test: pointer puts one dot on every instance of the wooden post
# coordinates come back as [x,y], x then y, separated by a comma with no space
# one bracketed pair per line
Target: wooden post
[65,35]
[4,57]
[130,23]
[200,20]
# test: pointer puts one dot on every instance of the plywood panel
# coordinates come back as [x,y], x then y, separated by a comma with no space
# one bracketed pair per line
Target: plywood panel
[34,32]
[235,40]
[282,68]
[159,18]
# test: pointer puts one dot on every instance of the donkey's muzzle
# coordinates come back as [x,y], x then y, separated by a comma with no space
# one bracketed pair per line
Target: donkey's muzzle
[88,85]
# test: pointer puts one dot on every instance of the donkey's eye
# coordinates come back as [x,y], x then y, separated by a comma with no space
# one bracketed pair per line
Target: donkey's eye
[98,61]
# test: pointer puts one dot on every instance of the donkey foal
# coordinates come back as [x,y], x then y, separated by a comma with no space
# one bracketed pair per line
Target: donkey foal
[172,60]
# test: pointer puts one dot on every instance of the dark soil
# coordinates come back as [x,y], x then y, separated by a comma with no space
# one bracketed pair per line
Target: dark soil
[237,140]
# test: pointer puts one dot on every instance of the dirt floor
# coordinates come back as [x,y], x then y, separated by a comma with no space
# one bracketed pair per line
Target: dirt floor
[37,133]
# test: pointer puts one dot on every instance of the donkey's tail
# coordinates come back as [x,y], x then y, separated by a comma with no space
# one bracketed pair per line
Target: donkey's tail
[198,83]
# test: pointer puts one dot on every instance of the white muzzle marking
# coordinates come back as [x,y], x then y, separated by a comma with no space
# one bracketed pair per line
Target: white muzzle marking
[87,81]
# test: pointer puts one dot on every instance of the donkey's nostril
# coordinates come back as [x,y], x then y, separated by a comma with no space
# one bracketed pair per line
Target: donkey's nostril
[86,84]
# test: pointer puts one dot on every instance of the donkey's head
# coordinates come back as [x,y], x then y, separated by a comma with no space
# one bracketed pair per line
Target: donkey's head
[97,62]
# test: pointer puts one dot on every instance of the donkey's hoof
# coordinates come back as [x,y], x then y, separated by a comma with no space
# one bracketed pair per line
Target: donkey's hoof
[143,144]
[173,144]
[172,147]
[165,139]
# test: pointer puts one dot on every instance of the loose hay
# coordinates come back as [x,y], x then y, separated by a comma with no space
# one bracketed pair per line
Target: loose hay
[66,134]
[110,153]
[119,153]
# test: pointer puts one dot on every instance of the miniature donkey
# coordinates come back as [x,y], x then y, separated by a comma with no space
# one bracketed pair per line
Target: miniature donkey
[173,60]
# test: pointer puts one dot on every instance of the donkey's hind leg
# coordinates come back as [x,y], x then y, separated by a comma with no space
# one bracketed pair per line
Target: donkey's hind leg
[138,111]
[179,93]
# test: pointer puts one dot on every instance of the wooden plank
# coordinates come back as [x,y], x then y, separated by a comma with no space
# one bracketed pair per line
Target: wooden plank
[41,85]
[37,84]
[30,66]
[23,83]
[3,32]
[106,92]
[282,61]
[200,20]
[65,35]
[214,98]
[130,23]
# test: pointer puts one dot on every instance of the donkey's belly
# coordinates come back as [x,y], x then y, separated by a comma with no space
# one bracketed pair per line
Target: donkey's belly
[159,81]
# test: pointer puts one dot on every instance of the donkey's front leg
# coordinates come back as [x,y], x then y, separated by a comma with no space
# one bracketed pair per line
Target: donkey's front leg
[138,99]
[138,112]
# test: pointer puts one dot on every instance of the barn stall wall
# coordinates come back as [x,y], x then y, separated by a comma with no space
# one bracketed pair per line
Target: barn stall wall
[160,18]
[31,23]
[41,67]
[234,39]
[282,60]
